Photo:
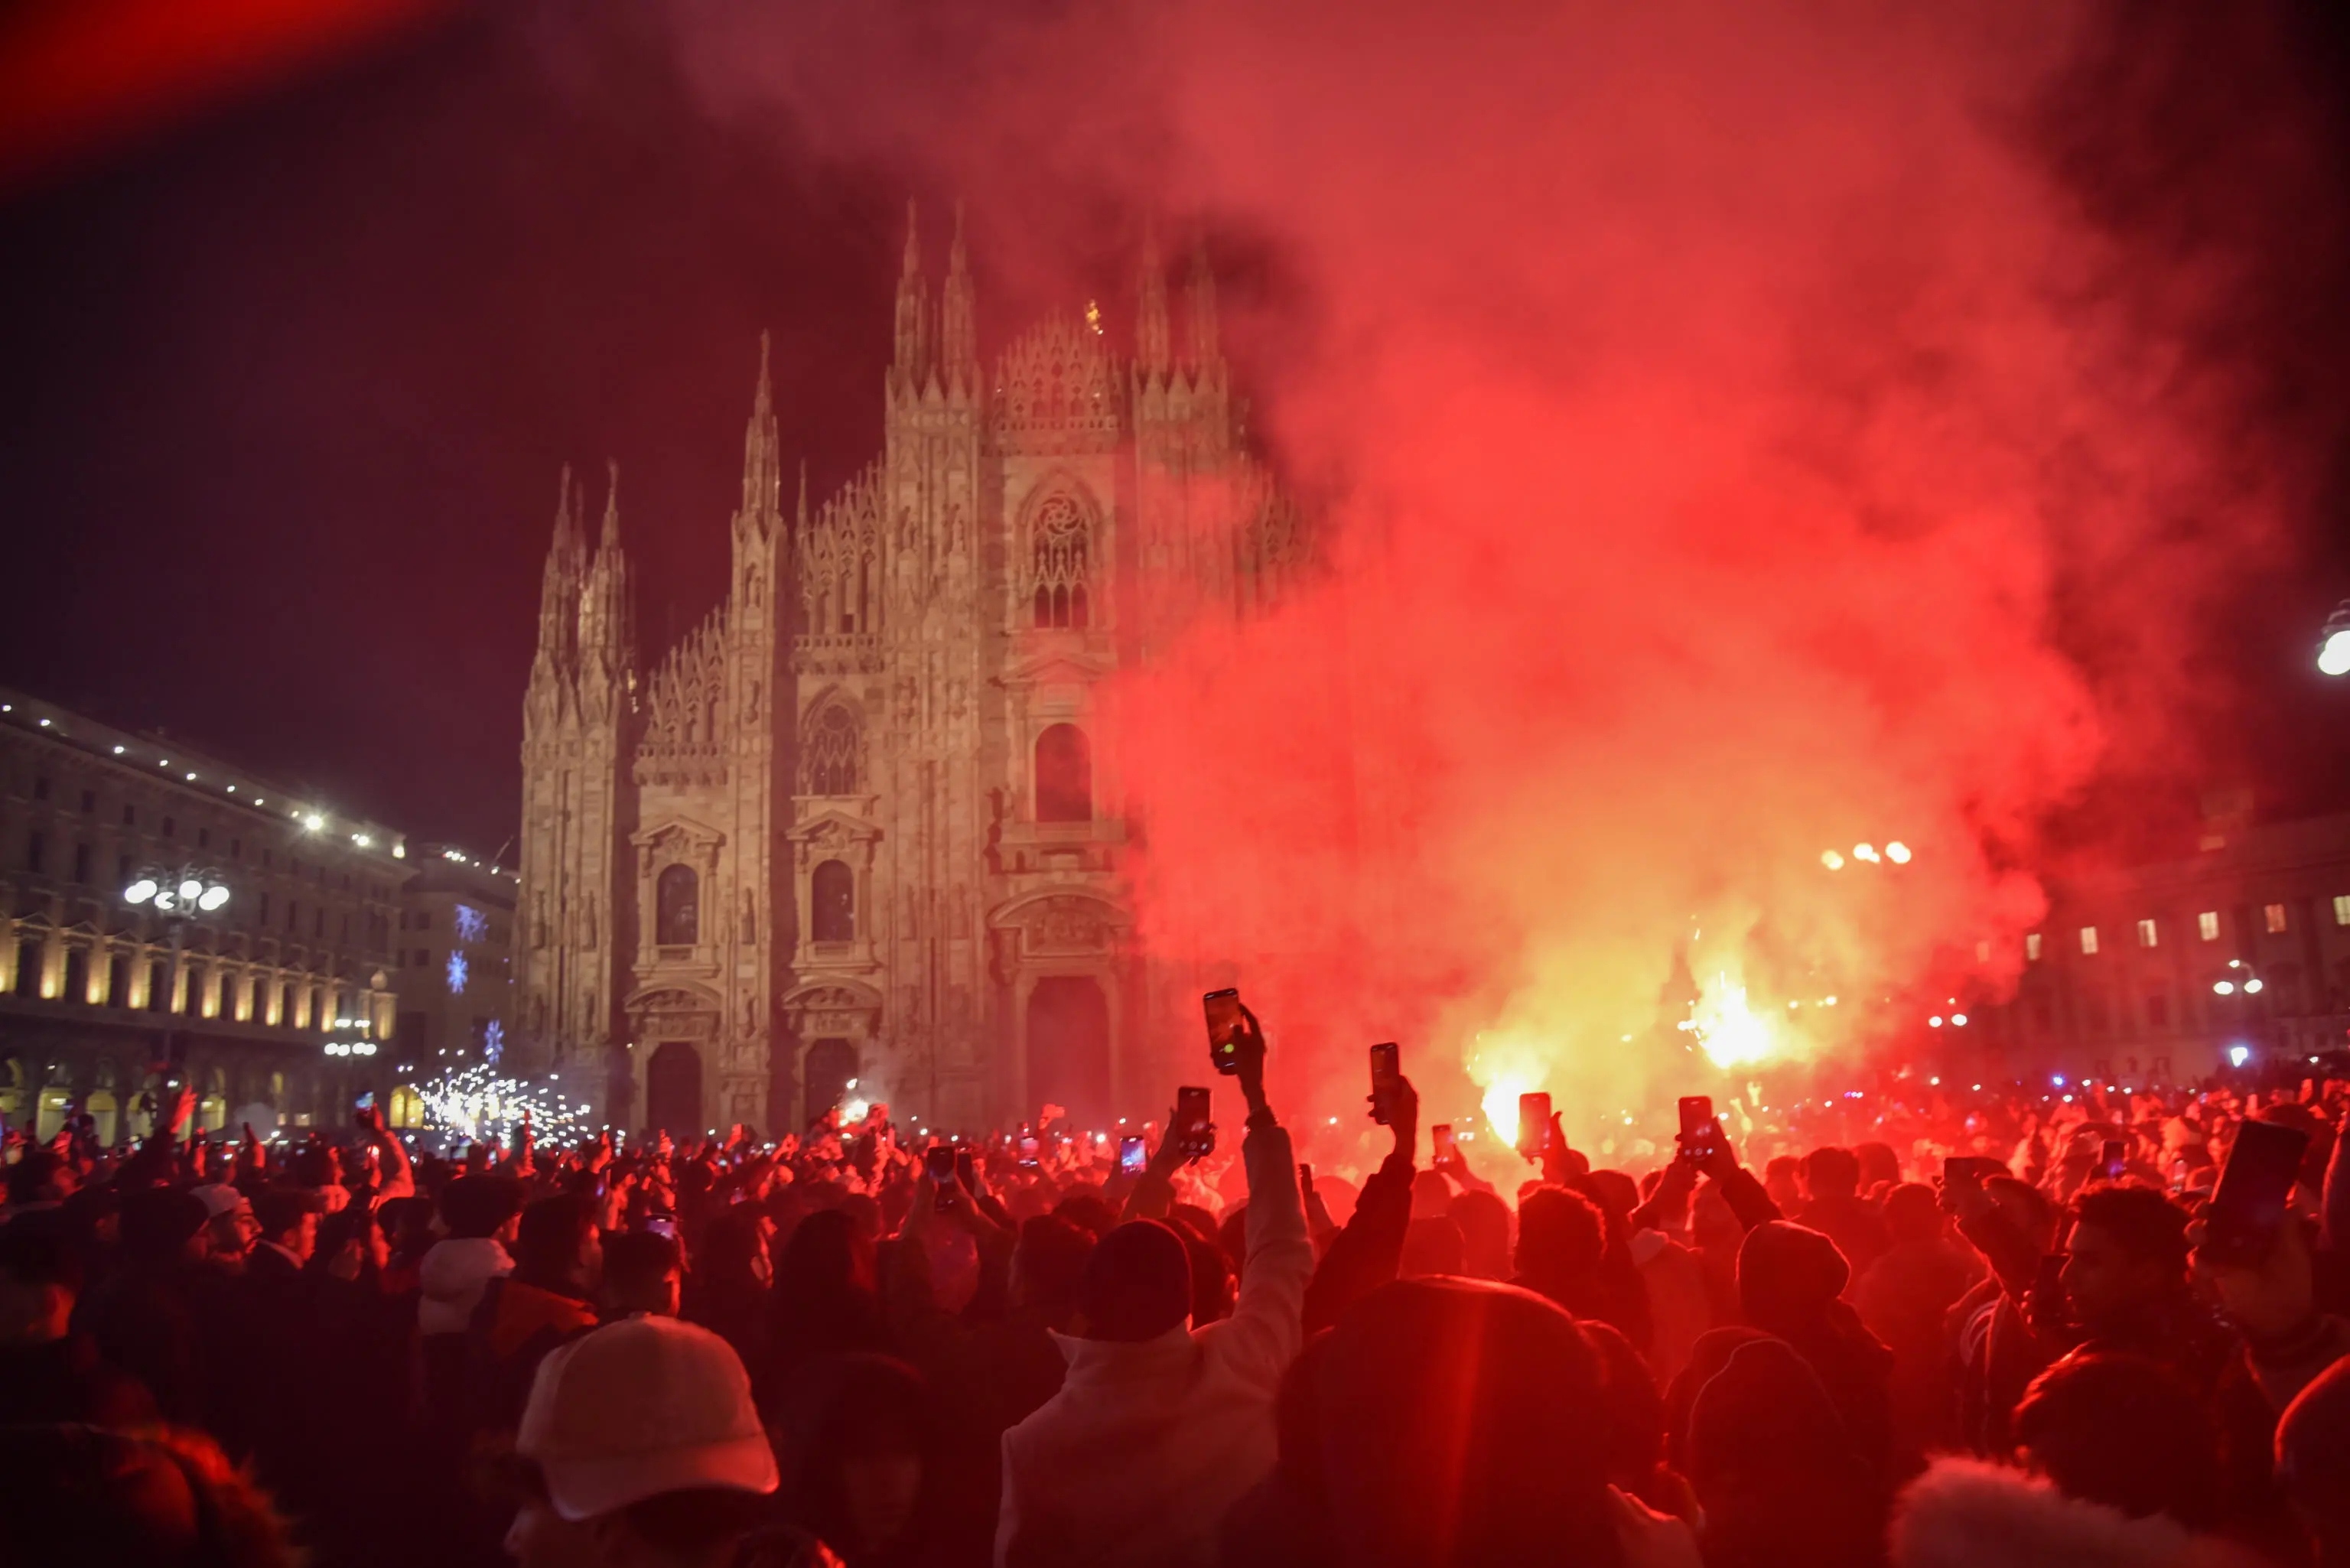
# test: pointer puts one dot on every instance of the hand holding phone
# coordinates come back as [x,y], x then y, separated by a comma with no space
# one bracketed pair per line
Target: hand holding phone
[938,1164]
[1222,1008]
[1386,1068]
[1534,1124]
[1699,1132]
[1441,1150]
[2249,1208]
[1132,1159]
[1192,1131]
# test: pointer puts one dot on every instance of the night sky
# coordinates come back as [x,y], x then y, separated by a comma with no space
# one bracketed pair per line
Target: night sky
[286,378]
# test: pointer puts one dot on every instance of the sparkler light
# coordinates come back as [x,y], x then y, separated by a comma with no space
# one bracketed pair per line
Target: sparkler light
[483,1106]
[1731,1032]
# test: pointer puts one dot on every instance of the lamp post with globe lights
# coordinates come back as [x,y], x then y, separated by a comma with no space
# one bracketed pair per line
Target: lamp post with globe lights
[178,896]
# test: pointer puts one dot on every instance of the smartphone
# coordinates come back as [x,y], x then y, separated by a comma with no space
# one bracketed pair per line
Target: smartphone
[938,1164]
[660,1225]
[1697,1127]
[1534,1124]
[2248,1208]
[2113,1160]
[1306,1178]
[1131,1160]
[966,1168]
[1194,1133]
[1224,1011]
[1440,1145]
[1028,1147]
[365,1101]
[1385,1069]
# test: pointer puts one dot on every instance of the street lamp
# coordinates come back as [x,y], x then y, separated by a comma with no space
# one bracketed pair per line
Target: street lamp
[176,895]
[2333,642]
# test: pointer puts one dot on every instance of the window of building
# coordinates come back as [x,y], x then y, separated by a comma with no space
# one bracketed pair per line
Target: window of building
[263,917]
[2147,935]
[40,789]
[266,856]
[831,753]
[1065,775]
[677,913]
[1062,547]
[292,916]
[2088,938]
[130,817]
[832,902]
[236,849]
[424,958]
[2274,913]
[423,920]
[2342,908]
[317,924]
[82,867]
[2157,1011]
[89,800]
[122,870]
[204,839]
[2207,925]
[2031,946]
[37,852]
[171,828]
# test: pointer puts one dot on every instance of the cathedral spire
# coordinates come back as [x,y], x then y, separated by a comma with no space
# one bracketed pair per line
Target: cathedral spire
[611,539]
[762,464]
[558,592]
[800,522]
[913,309]
[958,326]
[1202,291]
[1152,340]
[608,600]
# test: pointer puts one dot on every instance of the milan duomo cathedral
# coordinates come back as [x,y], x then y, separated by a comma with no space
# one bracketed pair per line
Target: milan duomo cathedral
[860,834]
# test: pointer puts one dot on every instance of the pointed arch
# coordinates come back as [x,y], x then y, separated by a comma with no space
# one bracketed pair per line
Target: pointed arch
[832,749]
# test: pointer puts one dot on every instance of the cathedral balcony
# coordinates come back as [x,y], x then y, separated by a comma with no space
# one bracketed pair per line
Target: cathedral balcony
[836,653]
[1060,846]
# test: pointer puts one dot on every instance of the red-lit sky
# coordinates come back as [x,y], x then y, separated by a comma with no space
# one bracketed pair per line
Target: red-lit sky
[289,368]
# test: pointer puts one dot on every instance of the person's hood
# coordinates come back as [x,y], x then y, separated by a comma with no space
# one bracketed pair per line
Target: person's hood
[1962,1513]
[451,1279]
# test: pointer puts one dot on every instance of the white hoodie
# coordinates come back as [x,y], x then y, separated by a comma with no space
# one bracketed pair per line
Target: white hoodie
[453,1275]
[1962,1513]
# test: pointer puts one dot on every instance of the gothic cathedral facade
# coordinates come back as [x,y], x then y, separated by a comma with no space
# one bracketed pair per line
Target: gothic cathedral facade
[860,834]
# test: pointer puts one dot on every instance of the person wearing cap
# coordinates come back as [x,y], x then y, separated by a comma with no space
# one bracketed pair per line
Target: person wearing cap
[1160,1428]
[640,1448]
[230,1228]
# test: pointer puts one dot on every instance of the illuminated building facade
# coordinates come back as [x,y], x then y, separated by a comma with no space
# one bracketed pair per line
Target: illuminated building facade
[97,995]
[452,960]
[2239,955]
[860,833]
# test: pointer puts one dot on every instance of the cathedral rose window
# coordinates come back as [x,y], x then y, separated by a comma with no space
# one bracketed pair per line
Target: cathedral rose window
[830,754]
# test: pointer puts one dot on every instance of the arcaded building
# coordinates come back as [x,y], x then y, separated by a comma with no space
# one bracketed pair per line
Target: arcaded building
[860,833]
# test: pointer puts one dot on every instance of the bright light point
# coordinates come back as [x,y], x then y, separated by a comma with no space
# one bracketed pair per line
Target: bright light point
[1334,1121]
[1793,1004]
[1828,1002]
[2224,987]
[2333,659]
[2252,985]
[141,890]
[400,852]
[214,898]
[1935,1021]
[1728,1029]
[313,822]
[45,723]
[360,839]
[1960,1019]
[118,751]
[852,1084]
[1897,852]
[2058,1080]
[854,1111]
[1935,1083]
[1831,860]
[2239,1055]
[1864,852]
[191,890]
[191,778]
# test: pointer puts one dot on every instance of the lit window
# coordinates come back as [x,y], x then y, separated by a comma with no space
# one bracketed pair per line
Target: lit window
[2342,908]
[2031,948]
[2088,938]
[2276,913]
[2147,935]
[2207,925]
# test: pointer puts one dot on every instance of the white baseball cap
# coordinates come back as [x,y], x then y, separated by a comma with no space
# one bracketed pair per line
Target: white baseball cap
[218,1197]
[640,1408]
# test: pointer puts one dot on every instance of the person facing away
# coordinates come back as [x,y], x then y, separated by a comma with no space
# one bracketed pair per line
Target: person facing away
[640,1448]
[1160,1428]
[549,1298]
[1835,1208]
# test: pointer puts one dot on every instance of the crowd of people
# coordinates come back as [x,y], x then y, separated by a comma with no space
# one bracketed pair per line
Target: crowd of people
[2000,1332]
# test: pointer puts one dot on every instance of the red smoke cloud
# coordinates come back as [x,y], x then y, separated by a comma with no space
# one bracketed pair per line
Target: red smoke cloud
[1731,442]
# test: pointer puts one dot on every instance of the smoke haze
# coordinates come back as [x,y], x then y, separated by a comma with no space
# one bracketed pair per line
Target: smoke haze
[1735,433]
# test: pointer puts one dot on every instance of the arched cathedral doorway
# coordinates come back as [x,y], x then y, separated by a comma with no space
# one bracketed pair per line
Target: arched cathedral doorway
[1068,1049]
[673,1090]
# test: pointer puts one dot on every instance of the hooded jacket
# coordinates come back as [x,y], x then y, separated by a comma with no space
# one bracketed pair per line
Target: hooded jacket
[452,1279]
[1963,1513]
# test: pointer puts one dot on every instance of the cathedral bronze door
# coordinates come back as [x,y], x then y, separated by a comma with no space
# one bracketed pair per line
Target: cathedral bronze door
[831,1068]
[1068,1049]
[673,1090]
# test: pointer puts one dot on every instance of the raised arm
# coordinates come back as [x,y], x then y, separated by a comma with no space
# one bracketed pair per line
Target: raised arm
[1263,1334]
[1367,1252]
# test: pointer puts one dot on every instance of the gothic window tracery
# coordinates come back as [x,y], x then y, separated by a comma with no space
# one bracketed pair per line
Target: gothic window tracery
[1063,547]
[831,753]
